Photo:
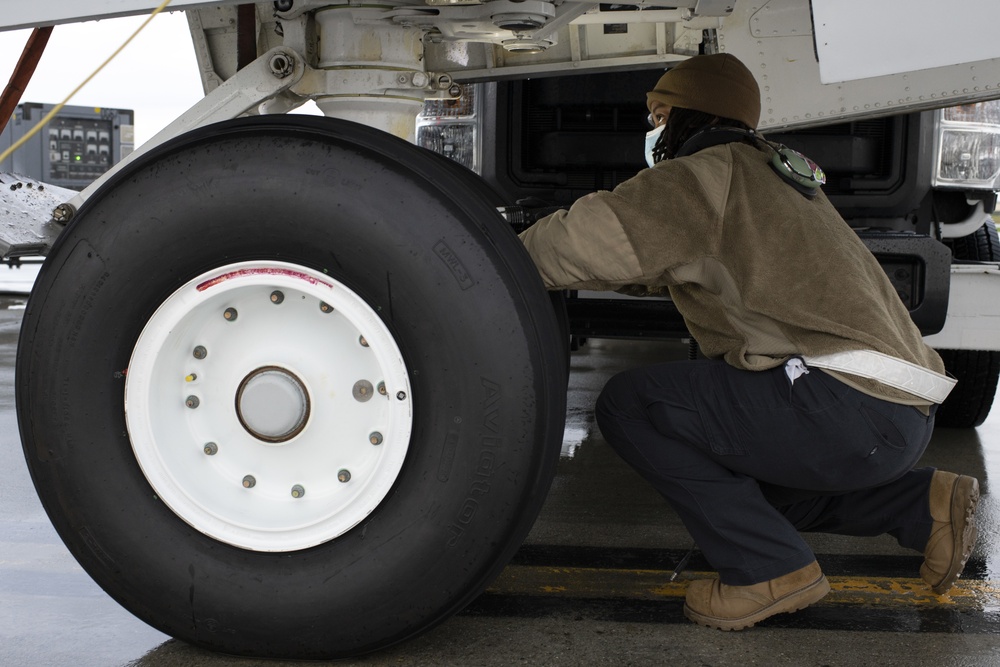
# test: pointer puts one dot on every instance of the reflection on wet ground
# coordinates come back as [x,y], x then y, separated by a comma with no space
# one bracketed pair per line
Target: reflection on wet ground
[591,585]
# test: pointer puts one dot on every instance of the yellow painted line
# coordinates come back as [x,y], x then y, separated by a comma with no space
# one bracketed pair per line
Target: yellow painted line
[573,582]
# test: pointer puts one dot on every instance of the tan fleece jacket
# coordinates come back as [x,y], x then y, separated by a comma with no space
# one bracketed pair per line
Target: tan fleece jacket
[759,272]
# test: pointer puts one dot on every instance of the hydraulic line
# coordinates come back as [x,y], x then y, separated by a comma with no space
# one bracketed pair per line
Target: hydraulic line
[23,71]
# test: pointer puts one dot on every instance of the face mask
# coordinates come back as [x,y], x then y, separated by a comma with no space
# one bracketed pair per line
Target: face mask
[651,138]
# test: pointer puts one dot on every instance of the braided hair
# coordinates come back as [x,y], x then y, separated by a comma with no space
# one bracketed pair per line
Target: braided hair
[682,124]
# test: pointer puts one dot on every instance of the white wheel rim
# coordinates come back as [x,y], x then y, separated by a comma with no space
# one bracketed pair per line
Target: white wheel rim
[276,429]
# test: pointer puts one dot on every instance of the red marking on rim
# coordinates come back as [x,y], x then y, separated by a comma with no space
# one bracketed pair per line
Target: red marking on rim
[243,273]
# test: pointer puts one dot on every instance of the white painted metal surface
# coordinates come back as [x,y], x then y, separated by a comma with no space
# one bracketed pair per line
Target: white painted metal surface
[973,310]
[970,225]
[373,76]
[26,207]
[775,39]
[17,14]
[268,405]
[859,39]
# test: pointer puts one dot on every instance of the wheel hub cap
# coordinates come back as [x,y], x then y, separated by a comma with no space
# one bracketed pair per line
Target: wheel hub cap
[272,404]
[268,406]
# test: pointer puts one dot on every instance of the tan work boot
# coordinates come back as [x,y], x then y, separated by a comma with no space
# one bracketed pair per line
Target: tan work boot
[953,500]
[717,605]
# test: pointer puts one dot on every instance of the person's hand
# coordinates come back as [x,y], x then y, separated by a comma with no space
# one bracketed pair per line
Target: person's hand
[526,212]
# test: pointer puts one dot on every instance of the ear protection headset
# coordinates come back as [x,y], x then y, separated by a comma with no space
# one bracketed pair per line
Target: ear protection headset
[793,167]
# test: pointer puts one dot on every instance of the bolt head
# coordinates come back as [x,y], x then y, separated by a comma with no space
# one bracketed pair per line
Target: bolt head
[281,65]
[62,213]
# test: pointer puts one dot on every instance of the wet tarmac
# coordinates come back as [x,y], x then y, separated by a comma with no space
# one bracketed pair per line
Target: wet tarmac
[590,586]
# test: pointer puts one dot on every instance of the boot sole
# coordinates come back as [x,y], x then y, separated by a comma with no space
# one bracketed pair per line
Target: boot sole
[964,500]
[794,601]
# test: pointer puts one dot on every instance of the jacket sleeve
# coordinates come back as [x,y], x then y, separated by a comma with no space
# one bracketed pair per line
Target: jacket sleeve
[585,247]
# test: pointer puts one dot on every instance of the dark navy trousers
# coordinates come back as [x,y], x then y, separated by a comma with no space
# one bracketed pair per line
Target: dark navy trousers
[748,459]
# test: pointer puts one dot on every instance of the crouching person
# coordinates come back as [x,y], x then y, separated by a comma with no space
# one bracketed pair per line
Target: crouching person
[818,395]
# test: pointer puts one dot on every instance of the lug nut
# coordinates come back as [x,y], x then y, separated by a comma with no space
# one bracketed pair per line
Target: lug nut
[344,476]
[381,388]
[211,449]
[375,438]
[363,341]
[249,482]
[192,402]
[200,352]
[277,297]
[325,307]
[298,491]
[191,377]
[230,314]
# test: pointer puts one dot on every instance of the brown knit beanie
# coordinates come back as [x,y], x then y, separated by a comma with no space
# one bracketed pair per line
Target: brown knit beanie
[718,84]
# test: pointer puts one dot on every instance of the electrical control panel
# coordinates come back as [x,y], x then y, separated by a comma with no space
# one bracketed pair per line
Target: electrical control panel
[76,147]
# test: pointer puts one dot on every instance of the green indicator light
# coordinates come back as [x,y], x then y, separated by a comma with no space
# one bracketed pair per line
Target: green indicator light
[79,157]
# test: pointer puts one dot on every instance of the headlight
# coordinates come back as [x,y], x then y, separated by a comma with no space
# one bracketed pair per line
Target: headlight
[968,146]
[451,127]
